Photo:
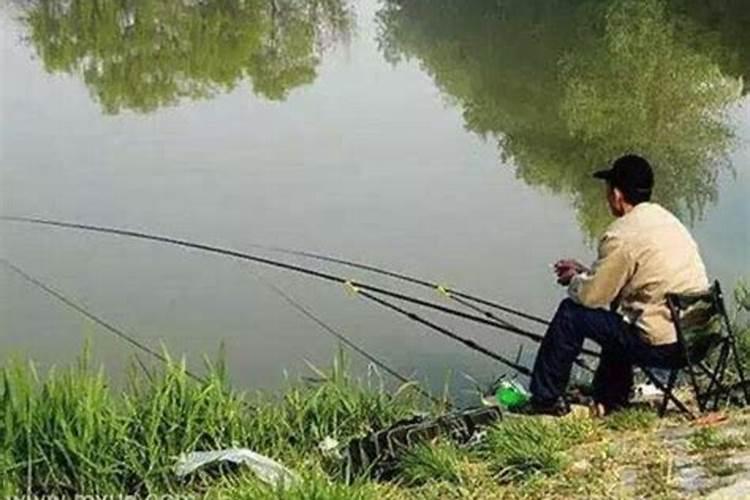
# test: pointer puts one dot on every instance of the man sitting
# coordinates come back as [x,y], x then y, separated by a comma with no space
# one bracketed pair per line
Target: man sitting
[620,303]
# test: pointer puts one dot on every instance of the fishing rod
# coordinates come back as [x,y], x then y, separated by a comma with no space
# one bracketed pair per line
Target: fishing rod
[456,295]
[467,342]
[144,348]
[291,267]
[452,294]
[283,265]
[449,292]
[343,339]
[93,317]
[411,315]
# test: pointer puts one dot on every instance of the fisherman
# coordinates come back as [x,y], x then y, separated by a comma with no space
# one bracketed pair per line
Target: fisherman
[620,303]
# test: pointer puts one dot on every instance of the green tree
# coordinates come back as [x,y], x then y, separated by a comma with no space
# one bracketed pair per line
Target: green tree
[565,86]
[724,22]
[145,54]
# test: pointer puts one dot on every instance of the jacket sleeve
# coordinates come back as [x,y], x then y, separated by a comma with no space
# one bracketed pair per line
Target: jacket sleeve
[612,270]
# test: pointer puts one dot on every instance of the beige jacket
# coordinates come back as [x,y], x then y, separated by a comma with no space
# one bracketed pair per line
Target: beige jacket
[642,256]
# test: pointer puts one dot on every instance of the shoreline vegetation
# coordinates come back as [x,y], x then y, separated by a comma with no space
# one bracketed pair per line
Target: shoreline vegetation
[69,432]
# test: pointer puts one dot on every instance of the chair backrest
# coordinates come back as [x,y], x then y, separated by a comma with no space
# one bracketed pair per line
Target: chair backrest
[700,320]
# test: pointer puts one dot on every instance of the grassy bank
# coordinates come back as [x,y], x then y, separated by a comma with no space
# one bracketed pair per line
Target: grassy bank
[69,432]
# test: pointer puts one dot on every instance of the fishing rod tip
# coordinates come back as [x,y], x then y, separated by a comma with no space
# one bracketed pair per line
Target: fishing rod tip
[351,287]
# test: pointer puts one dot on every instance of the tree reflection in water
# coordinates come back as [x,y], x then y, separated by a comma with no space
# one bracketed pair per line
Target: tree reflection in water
[144,54]
[566,86]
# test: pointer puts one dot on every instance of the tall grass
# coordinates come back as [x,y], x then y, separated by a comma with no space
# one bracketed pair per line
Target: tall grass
[438,461]
[341,407]
[61,434]
[68,432]
[521,447]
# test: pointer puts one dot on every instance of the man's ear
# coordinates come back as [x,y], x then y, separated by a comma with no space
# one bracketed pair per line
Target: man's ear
[618,196]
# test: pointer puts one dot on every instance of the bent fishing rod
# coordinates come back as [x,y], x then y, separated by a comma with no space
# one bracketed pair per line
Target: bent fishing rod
[282,265]
[434,326]
[291,267]
[130,339]
[451,293]
[351,285]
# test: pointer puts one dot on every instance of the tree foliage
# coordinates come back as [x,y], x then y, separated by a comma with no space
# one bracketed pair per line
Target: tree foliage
[145,54]
[565,86]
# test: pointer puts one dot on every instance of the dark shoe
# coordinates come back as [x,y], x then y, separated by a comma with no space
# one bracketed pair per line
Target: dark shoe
[579,395]
[557,408]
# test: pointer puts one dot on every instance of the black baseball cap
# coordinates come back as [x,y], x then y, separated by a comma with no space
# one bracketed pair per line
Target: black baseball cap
[631,174]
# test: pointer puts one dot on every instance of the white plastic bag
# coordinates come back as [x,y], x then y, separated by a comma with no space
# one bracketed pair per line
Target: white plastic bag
[267,470]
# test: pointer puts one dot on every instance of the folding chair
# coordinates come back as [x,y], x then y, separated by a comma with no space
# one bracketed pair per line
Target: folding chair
[708,346]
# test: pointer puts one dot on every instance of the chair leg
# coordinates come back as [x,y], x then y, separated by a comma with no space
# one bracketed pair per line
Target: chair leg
[667,391]
[713,377]
[721,369]
[696,388]
[733,346]
[668,394]
[679,404]
[740,370]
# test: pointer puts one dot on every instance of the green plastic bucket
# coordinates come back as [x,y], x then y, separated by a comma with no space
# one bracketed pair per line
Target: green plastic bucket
[511,394]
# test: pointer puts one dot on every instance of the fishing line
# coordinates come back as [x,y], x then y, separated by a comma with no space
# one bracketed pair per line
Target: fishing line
[467,342]
[282,265]
[342,338]
[446,291]
[449,292]
[474,308]
[311,272]
[578,361]
[96,319]
[139,345]
[500,307]
[452,294]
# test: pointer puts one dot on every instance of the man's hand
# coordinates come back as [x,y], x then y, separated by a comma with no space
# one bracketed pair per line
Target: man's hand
[566,269]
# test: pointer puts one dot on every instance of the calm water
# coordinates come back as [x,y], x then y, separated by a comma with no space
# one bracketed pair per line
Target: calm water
[450,139]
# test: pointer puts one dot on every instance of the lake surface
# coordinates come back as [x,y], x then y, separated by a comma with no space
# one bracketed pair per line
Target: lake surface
[453,140]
